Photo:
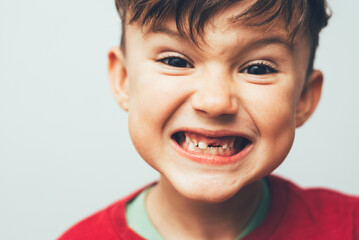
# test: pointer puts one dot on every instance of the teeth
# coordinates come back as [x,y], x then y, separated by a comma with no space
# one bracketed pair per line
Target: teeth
[202,145]
[213,151]
[204,149]
[194,145]
[191,146]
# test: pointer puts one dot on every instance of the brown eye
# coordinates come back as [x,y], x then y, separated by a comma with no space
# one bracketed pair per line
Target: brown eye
[259,69]
[176,62]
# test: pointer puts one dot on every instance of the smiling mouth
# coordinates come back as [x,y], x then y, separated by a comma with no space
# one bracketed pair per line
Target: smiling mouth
[222,146]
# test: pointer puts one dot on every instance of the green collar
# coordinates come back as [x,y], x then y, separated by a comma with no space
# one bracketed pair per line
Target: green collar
[138,220]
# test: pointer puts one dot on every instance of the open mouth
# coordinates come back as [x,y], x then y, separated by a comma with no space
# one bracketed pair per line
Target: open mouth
[223,146]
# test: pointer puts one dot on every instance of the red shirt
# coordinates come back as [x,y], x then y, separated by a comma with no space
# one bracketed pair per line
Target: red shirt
[294,214]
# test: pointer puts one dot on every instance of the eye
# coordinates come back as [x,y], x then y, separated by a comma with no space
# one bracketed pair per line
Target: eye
[259,69]
[177,62]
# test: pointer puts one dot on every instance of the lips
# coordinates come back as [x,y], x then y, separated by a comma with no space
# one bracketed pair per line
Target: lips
[213,147]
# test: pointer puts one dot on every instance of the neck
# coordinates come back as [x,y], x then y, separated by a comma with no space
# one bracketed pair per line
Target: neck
[175,215]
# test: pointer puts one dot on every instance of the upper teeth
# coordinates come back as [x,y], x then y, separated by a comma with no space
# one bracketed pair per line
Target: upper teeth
[193,143]
[202,145]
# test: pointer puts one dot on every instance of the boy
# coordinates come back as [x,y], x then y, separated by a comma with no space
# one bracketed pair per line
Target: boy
[214,91]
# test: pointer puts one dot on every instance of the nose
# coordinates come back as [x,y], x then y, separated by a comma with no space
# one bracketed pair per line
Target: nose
[215,96]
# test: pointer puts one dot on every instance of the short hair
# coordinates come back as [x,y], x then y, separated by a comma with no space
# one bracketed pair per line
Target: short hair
[192,15]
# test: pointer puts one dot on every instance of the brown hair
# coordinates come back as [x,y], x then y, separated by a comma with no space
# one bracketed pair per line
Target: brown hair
[192,15]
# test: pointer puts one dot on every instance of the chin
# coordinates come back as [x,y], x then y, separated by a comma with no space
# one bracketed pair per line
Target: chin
[208,189]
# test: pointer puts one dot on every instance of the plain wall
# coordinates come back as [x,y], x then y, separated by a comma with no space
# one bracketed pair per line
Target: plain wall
[65,150]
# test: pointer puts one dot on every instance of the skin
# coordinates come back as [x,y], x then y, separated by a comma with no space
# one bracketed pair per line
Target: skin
[214,91]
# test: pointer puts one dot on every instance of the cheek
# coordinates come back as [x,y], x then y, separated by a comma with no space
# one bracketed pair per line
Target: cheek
[155,97]
[273,108]
[153,100]
[143,113]
[273,112]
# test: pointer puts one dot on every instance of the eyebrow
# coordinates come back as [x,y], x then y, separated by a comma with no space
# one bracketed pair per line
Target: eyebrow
[261,42]
[274,40]
[166,31]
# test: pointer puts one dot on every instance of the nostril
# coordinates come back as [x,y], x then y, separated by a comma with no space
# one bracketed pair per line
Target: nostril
[215,99]
[215,106]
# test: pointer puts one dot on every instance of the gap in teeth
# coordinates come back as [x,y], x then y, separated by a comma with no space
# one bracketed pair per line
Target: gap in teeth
[203,145]
[193,143]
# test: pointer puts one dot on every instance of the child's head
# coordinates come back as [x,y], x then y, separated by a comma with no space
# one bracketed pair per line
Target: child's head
[215,89]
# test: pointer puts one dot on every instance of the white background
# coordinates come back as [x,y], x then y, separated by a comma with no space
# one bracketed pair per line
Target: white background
[65,151]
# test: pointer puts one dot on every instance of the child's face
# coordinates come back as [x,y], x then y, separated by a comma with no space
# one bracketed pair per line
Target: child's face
[240,98]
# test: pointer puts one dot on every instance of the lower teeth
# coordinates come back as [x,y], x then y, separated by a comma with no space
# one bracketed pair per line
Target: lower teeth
[209,150]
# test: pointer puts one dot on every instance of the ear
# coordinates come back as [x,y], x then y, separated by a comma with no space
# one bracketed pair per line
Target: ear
[118,77]
[309,98]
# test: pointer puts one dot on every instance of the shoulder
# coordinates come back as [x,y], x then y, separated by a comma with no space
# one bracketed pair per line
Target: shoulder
[106,224]
[316,211]
[320,198]
[97,226]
